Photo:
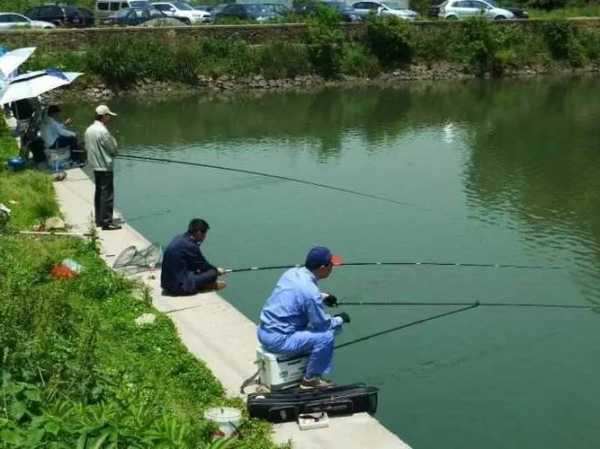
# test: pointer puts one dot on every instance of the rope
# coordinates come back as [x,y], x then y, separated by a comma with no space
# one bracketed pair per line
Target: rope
[267,175]
[481,304]
[404,326]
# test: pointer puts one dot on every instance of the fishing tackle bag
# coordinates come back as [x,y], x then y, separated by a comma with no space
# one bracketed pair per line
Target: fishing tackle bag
[335,401]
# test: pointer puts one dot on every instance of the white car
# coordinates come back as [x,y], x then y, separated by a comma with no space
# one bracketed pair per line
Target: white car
[13,20]
[183,12]
[461,9]
[391,8]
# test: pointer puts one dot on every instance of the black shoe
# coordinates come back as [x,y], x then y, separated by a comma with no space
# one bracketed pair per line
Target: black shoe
[110,227]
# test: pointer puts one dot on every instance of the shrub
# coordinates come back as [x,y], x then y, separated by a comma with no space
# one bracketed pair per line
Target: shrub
[563,42]
[547,4]
[227,56]
[283,60]
[488,48]
[388,38]
[591,43]
[432,44]
[357,60]
[325,42]
[72,61]
[123,61]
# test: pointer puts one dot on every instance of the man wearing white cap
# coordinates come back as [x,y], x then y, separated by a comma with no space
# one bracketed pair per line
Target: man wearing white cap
[101,147]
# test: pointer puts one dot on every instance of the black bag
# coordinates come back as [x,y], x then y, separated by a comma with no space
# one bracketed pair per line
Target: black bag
[335,401]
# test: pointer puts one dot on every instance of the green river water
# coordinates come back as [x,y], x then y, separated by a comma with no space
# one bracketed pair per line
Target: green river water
[492,172]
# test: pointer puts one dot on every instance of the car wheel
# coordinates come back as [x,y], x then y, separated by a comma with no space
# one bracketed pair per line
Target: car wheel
[187,21]
[451,18]
[499,18]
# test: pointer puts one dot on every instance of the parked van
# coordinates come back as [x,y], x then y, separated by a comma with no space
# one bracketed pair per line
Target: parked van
[105,8]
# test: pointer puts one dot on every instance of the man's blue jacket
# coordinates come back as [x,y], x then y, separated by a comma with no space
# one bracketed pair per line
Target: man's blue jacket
[181,260]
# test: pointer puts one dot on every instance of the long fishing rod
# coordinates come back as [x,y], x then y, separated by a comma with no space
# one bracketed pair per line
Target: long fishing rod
[268,175]
[480,304]
[404,326]
[437,264]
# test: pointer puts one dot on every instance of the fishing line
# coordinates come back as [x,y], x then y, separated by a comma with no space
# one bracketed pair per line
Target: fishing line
[404,326]
[268,175]
[437,264]
[481,304]
[150,215]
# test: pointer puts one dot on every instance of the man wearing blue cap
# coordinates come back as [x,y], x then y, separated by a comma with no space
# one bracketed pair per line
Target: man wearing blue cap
[293,319]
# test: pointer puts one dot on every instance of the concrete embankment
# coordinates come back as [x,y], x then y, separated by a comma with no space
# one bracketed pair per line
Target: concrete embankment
[214,331]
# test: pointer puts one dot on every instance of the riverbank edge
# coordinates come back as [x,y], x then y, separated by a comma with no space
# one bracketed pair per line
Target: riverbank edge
[94,89]
[214,331]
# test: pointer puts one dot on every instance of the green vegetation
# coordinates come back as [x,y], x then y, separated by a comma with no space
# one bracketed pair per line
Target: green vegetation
[76,371]
[480,47]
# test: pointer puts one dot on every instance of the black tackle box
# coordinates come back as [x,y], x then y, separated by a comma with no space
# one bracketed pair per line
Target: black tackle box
[335,401]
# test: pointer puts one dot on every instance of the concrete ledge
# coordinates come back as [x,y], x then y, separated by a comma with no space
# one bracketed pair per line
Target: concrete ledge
[215,332]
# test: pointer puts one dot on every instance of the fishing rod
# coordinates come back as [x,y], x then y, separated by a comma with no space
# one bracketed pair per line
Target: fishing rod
[404,326]
[480,304]
[437,264]
[268,175]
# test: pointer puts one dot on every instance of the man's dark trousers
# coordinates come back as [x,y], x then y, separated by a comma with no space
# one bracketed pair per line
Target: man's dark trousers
[104,197]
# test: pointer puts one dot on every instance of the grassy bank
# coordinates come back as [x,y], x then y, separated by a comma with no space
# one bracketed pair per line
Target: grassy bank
[480,47]
[77,372]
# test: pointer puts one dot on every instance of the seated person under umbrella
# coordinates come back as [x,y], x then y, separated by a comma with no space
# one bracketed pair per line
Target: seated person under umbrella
[55,133]
[293,320]
[185,271]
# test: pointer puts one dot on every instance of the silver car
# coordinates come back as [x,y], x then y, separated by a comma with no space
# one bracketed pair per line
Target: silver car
[388,8]
[461,9]
[13,20]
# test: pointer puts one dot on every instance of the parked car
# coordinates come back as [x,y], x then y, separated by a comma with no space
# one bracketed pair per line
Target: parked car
[105,8]
[14,20]
[519,13]
[363,9]
[461,9]
[346,11]
[215,9]
[259,12]
[135,16]
[206,8]
[183,11]
[67,15]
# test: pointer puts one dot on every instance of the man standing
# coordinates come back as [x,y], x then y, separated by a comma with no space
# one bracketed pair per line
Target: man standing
[185,271]
[293,319]
[102,147]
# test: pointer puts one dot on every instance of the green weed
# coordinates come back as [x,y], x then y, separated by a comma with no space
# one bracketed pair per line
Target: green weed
[388,38]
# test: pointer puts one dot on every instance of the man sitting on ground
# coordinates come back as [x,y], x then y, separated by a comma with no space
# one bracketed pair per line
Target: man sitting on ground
[293,319]
[185,271]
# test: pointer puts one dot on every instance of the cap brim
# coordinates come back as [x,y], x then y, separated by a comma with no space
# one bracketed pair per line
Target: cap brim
[337,260]
[111,113]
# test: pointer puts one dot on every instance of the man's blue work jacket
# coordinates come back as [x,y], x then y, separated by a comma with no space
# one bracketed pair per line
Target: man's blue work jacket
[296,305]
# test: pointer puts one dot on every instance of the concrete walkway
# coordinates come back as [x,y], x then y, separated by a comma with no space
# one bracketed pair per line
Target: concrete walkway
[215,332]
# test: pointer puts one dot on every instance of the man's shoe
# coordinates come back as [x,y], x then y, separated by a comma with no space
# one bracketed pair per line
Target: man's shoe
[315,382]
[215,286]
[110,227]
